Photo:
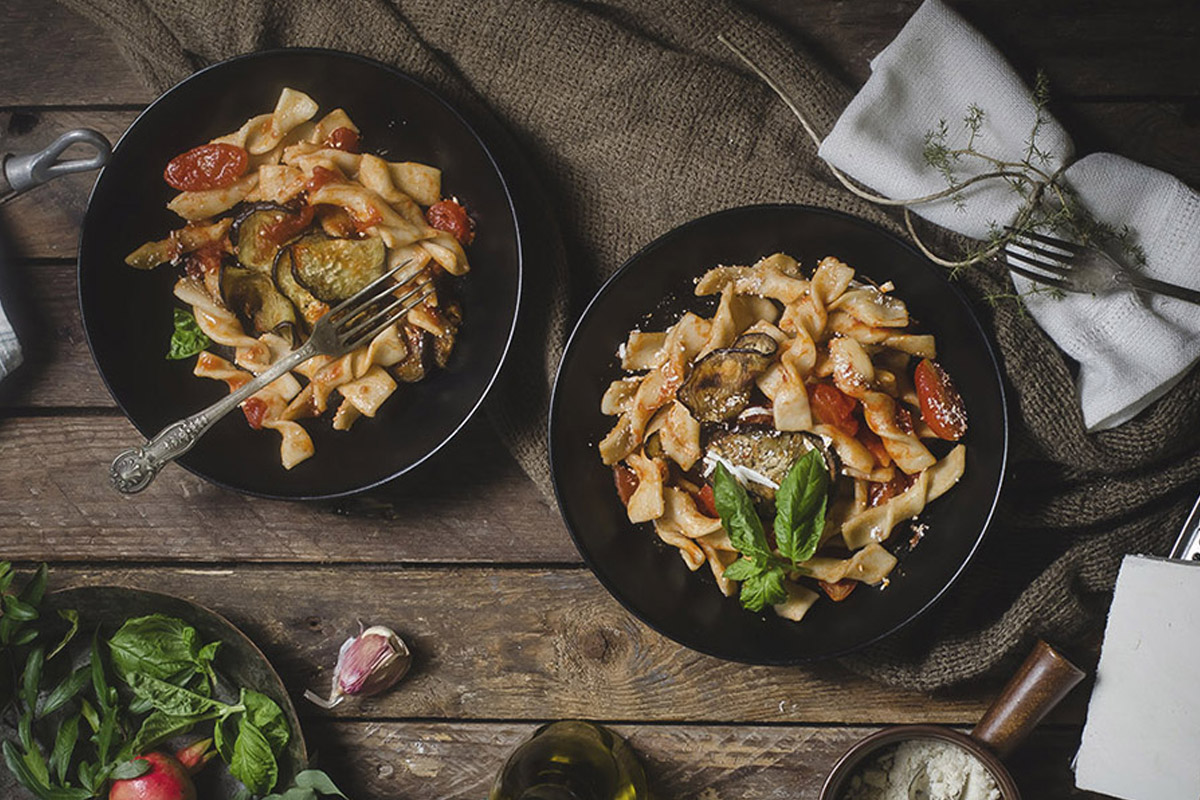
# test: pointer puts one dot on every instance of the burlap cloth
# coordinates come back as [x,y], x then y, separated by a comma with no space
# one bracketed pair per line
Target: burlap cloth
[634,119]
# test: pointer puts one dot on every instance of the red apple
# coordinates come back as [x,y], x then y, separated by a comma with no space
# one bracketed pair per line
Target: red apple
[166,780]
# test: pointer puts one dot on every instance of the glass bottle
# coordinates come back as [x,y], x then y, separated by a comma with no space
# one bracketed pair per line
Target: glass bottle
[572,760]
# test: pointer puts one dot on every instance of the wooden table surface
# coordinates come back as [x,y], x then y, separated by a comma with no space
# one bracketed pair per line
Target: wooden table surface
[478,574]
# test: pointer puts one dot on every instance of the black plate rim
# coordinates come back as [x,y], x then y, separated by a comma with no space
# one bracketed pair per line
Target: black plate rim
[520,283]
[664,240]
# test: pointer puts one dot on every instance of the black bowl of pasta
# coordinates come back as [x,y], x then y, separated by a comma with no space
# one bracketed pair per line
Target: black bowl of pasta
[247,201]
[776,409]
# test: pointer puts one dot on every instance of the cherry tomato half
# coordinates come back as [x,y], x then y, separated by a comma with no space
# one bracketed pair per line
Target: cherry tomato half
[941,405]
[449,216]
[344,139]
[626,481]
[832,407]
[209,166]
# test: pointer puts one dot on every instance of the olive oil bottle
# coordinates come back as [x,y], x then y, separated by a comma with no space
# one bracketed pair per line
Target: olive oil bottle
[572,760]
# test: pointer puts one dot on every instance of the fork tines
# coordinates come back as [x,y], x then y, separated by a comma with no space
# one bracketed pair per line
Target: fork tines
[364,330]
[359,318]
[1047,260]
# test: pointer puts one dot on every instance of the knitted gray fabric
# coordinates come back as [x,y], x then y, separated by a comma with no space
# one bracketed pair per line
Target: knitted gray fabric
[635,119]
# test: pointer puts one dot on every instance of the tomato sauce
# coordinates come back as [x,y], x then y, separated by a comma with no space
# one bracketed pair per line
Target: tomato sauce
[346,139]
[255,408]
[288,226]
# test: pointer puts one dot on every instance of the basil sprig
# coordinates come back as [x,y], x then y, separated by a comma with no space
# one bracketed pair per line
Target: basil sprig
[800,504]
[187,338]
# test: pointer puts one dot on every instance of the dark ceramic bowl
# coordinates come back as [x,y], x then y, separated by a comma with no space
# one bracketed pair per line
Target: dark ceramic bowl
[239,663]
[127,312]
[650,291]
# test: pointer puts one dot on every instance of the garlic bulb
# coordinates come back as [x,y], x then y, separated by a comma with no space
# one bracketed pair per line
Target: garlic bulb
[367,664]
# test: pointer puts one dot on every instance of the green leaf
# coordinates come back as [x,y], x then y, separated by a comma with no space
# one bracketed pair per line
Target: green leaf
[741,569]
[66,690]
[253,763]
[64,747]
[318,780]
[32,677]
[104,736]
[35,590]
[16,765]
[68,793]
[171,699]
[89,713]
[158,727]
[157,645]
[134,768]
[268,717]
[36,762]
[800,507]
[763,589]
[187,339]
[72,618]
[25,637]
[99,679]
[738,516]
[223,739]
[19,610]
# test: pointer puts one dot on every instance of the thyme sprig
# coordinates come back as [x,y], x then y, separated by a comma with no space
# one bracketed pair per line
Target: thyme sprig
[1048,204]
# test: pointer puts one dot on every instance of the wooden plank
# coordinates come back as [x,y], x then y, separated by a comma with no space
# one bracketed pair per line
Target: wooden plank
[441,761]
[45,224]
[1088,47]
[469,503]
[522,643]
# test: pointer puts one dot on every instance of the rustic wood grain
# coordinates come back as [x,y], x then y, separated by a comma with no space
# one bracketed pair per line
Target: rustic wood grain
[469,503]
[45,224]
[1088,47]
[445,761]
[522,643]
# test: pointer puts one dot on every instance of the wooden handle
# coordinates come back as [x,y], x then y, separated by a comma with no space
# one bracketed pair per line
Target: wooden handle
[1042,681]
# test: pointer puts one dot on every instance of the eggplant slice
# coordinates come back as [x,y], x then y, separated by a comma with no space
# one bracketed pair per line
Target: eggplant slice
[258,304]
[334,269]
[720,384]
[255,250]
[311,309]
[768,452]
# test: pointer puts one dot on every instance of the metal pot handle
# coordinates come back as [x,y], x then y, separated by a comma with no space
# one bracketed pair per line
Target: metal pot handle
[23,173]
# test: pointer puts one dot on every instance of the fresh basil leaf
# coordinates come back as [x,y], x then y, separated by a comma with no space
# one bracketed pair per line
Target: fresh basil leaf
[104,736]
[6,575]
[72,618]
[157,645]
[35,590]
[763,589]
[738,515]
[36,762]
[25,637]
[268,717]
[171,699]
[318,780]
[64,747]
[223,739]
[99,680]
[800,507]
[32,676]
[741,569]
[19,610]
[16,765]
[253,763]
[187,339]
[68,793]
[158,727]
[66,690]
[134,768]
[89,714]
[87,776]
[294,793]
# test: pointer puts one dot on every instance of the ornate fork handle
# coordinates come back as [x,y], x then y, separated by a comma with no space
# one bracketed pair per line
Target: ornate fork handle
[134,469]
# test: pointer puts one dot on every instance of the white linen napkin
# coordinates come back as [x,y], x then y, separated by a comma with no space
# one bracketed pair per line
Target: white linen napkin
[10,348]
[1131,348]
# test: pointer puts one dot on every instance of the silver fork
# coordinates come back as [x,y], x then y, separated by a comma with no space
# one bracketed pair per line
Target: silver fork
[351,324]
[1078,268]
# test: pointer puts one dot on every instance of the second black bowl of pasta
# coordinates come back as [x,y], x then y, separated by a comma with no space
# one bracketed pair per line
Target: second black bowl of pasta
[250,199]
[778,434]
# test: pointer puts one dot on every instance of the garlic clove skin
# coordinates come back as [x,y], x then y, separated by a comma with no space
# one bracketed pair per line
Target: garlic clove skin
[367,664]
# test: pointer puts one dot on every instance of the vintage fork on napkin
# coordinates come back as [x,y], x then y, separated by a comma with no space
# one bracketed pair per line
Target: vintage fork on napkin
[349,325]
[1079,268]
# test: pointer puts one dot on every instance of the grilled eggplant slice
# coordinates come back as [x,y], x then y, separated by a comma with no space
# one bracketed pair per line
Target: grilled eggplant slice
[311,309]
[768,452]
[334,269]
[413,367]
[261,230]
[758,342]
[720,385]
[258,304]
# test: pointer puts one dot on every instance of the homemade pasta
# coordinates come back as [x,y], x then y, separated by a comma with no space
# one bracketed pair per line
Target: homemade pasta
[807,399]
[285,218]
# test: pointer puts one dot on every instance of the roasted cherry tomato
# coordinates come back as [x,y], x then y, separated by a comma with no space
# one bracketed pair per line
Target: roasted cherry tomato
[209,166]
[449,216]
[832,407]
[288,226]
[941,405]
[838,591]
[626,481]
[255,408]
[320,177]
[706,502]
[882,492]
[344,139]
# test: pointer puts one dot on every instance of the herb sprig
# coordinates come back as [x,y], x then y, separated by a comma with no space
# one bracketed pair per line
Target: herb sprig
[800,504]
